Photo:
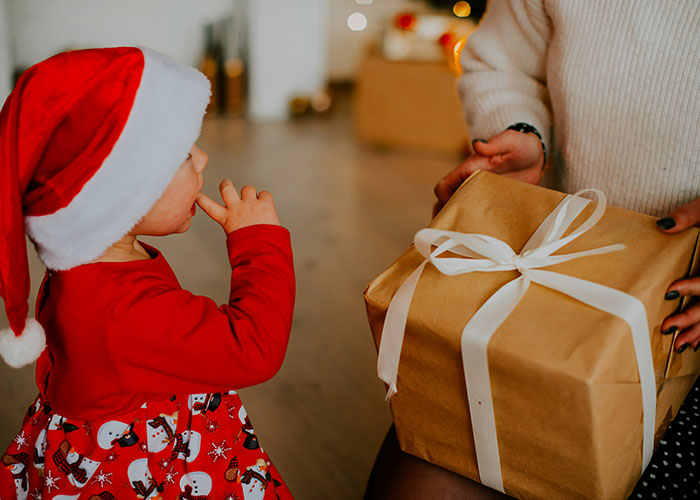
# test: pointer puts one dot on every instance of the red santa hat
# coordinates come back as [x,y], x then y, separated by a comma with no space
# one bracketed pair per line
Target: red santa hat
[89,140]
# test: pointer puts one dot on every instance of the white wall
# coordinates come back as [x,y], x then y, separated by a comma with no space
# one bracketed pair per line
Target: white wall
[288,53]
[41,28]
[299,44]
[5,53]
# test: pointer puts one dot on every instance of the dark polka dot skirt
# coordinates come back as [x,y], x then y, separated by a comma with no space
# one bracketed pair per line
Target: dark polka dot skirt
[674,470]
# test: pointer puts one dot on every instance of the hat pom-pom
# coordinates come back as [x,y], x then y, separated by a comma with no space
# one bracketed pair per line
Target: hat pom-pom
[18,351]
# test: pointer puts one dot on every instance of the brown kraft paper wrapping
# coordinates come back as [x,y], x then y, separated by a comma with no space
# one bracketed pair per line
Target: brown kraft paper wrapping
[564,378]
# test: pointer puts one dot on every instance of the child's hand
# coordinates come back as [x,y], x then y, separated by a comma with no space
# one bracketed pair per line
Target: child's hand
[688,322]
[513,154]
[248,209]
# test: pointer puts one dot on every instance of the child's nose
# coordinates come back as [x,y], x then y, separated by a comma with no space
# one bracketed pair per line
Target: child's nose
[201,159]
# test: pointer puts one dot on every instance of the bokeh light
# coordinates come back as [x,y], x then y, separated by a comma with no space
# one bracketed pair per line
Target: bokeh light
[233,67]
[405,21]
[462,9]
[357,21]
[321,101]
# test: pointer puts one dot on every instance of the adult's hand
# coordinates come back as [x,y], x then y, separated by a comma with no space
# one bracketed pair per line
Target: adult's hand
[513,154]
[688,321]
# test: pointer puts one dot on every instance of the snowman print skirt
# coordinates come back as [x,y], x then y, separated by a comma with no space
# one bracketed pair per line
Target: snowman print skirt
[192,447]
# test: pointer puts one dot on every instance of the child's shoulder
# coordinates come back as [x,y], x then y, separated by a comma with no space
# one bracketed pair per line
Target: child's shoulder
[114,282]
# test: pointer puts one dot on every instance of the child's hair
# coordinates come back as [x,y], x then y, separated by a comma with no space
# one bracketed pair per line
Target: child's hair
[89,140]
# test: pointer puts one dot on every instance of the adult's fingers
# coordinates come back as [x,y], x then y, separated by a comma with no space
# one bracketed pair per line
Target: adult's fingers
[228,192]
[690,338]
[682,320]
[210,207]
[681,219]
[446,186]
[529,175]
[499,144]
[689,286]
[248,193]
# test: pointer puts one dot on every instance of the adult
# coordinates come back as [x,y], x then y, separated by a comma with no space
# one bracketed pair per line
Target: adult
[607,94]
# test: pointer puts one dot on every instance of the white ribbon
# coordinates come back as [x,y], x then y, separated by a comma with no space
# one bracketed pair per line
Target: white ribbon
[487,254]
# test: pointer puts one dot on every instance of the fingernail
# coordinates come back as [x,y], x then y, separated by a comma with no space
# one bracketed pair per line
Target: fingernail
[670,330]
[695,349]
[666,223]
[683,348]
[479,140]
[672,295]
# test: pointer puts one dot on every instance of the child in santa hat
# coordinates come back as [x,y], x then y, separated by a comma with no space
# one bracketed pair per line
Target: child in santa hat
[136,376]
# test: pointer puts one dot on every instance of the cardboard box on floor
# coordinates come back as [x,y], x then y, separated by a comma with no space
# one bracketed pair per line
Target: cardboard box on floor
[412,105]
[566,390]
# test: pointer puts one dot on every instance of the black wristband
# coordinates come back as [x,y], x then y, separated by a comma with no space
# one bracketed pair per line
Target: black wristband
[527,128]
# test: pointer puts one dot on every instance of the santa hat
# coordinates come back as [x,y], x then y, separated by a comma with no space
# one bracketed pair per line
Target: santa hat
[89,140]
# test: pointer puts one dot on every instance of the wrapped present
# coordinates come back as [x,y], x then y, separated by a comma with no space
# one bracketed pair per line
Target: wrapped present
[522,333]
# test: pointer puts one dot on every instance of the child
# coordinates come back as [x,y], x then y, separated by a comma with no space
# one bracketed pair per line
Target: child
[135,382]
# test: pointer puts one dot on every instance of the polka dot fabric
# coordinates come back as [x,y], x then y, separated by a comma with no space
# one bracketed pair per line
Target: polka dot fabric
[673,473]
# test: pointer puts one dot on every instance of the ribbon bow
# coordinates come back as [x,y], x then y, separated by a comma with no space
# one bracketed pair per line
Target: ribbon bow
[483,253]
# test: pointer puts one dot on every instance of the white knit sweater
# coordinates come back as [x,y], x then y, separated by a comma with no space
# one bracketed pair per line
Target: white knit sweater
[612,85]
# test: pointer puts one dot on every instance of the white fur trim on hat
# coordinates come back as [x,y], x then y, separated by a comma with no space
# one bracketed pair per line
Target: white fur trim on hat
[164,122]
[25,349]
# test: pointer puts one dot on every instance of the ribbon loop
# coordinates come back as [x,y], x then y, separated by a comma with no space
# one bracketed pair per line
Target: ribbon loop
[482,253]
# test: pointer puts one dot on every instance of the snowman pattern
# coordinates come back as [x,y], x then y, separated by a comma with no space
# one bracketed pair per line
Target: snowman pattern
[251,440]
[141,480]
[115,432]
[254,481]
[39,458]
[195,486]
[105,495]
[203,403]
[56,422]
[161,432]
[17,465]
[187,446]
[34,408]
[77,468]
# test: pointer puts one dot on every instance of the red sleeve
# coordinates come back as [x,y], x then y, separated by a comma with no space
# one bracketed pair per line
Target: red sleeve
[169,340]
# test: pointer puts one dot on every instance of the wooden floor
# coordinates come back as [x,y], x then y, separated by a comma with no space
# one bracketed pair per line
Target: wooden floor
[351,210]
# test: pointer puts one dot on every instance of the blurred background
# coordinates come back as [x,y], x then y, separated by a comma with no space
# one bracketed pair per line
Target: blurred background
[346,110]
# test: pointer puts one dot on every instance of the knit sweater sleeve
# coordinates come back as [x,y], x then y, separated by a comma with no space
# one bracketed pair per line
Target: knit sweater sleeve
[172,341]
[504,63]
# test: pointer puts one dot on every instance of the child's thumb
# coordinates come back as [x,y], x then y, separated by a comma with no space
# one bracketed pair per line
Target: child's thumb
[681,218]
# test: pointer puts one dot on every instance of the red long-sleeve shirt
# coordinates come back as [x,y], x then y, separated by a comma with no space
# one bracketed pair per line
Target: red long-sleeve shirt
[122,333]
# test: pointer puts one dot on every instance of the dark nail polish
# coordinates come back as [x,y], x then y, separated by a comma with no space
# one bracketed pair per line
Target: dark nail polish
[666,223]
[670,330]
[672,295]
[695,349]
[479,140]
[683,348]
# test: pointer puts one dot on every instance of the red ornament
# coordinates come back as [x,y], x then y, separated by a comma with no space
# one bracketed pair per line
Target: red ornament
[405,21]
[446,39]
